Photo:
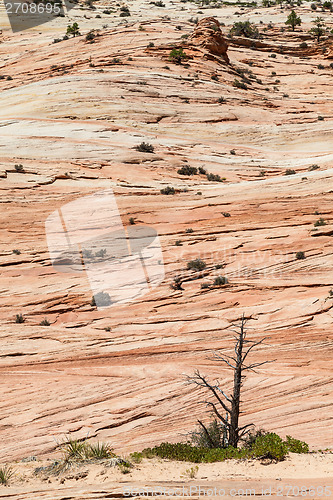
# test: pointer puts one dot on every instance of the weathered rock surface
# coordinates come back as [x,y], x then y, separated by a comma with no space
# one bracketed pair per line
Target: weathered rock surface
[72,116]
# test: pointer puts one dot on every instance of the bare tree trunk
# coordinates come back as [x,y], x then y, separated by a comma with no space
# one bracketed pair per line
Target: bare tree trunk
[221,403]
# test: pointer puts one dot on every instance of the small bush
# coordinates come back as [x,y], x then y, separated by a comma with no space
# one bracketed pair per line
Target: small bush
[151,44]
[296,446]
[19,168]
[214,178]
[221,100]
[320,118]
[196,264]
[17,252]
[187,170]
[19,318]
[232,152]
[220,280]
[251,437]
[239,85]
[303,45]
[289,171]
[168,190]
[145,147]
[6,473]
[45,322]
[300,255]
[189,230]
[245,29]
[124,12]
[132,221]
[90,36]
[205,286]
[178,243]
[270,446]
[202,171]
[136,457]
[99,451]
[177,55]
[313,167]
[320,222]
[321,66]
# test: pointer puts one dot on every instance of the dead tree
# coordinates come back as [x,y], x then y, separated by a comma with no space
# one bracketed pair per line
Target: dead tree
[227,407]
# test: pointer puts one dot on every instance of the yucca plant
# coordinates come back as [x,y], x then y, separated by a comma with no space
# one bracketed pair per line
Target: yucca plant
[6,473]
[100,450]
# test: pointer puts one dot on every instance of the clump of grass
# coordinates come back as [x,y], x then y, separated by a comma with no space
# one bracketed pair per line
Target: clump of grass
[145,147]
[196,264]
[6,473]
[192,472]
[19,318]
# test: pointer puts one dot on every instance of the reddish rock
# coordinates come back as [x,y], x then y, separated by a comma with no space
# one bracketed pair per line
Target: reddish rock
[208,34]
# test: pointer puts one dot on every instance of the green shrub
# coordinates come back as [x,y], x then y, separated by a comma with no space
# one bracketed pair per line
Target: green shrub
[220,280]
[300,255]
[246,29]
[214,178]
[270,446]
[189,230]
[19,168]
[187,170]
[132,221]
[145,147]
[168,190]
[17,252]
[313,167]
[124,12]
[45,322]
[202,171]
[320,222]
[303,45]
[196,265]
[289,171]
[177,55]
[225,214]
[296,446]
[239,85]
[250,437]
[73,29]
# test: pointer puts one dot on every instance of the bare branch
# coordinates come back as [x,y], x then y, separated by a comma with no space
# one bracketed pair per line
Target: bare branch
[207,434]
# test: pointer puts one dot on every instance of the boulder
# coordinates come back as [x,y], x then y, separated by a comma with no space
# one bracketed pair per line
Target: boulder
[208,35]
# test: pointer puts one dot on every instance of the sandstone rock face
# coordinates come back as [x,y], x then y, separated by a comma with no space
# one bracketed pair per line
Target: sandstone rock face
[208,34]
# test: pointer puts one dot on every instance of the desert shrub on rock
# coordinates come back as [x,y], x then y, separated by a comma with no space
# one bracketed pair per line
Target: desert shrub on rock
[246,29]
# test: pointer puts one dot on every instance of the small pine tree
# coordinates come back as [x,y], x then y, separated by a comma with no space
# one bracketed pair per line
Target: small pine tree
[293,20]
[319,30]
[73,30]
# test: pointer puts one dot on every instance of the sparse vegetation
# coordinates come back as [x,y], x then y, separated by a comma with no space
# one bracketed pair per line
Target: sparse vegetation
[293,20]
[19,168]
[320,222]
[319,29]
[73,30]
[187,170]
[300,255]
[246,29]
[124,11]
[45,322]
[145,147]
[177,56]
[17,252]
[289,171]
[220,280]
[132,221]
[6,473]
[168,190]
[215,178]
[196,264]
[19,318]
